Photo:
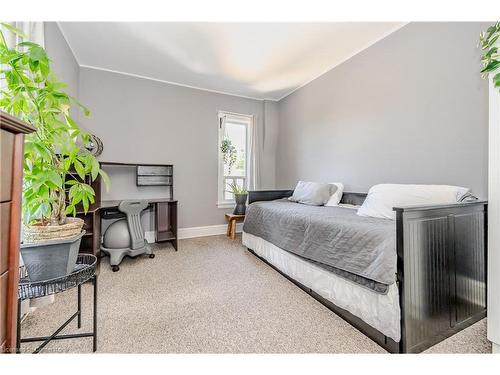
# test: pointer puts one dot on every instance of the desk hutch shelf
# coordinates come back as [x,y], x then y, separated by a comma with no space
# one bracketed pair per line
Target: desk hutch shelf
[165,208]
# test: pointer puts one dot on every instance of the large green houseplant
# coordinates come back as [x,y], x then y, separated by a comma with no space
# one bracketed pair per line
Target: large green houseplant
[57,166]
[490,43]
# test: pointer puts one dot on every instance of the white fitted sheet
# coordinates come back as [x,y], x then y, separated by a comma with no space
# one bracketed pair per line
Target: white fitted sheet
[381,311]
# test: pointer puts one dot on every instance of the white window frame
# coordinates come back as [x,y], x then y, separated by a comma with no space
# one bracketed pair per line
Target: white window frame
[246,120]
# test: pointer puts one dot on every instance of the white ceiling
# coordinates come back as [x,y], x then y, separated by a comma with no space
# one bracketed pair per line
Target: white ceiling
[258,60]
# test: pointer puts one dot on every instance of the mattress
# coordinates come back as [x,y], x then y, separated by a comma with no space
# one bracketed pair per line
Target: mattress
[381,311]
[358,248]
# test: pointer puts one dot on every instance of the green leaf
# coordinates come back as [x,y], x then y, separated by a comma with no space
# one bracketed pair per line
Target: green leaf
[71,182]
[492,40]
[84,109]
[28,44]
[496,80]
[67,163]
[36,186]
[55,179]
[70,210]
[77,198]
[105,179]
[79,169]
[71,122]
[85,202]
[85,138]
[72,191]
[44,68]
[14,30]
[491,52]
[87,188]
[37,53]
[95,168]
[492,65]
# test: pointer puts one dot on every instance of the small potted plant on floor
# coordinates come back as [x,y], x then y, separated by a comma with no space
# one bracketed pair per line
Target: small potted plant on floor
[240,197]
[57,166]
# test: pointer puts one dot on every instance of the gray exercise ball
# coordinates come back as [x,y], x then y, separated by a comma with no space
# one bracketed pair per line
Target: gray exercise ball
[117,235]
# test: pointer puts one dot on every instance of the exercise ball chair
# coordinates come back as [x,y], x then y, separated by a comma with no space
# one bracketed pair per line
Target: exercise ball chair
[125,237]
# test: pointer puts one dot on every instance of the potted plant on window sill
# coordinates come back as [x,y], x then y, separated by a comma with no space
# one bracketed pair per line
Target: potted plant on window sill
[56,163]
[240,197]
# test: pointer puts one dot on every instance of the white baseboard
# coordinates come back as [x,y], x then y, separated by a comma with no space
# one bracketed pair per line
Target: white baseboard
[209,230]
[495,348]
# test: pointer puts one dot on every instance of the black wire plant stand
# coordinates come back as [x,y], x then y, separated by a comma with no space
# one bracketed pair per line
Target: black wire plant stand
[85,270]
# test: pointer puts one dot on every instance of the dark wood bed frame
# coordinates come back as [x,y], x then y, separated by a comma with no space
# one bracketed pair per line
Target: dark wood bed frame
[441,271]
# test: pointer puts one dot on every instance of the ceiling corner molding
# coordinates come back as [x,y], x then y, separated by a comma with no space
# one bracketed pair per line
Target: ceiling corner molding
[67,42]
[171,83]
[346,59]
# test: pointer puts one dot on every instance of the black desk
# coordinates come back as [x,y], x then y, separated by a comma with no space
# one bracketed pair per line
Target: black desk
[165,222]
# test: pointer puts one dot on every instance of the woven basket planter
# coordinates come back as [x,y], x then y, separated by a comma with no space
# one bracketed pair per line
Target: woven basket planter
[41,233]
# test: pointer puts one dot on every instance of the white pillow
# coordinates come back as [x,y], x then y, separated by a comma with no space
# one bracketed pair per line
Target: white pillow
[382,198]
[311,193]
[337,195]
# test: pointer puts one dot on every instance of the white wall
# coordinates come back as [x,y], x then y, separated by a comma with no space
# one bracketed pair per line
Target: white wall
[494,219]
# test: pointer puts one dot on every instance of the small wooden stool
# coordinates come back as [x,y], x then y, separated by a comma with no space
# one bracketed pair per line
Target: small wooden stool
[231,224]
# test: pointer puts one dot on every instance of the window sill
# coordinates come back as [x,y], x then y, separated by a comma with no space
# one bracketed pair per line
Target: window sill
[226,204]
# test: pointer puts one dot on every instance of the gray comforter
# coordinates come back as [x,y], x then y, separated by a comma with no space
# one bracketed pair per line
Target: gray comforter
[358,248]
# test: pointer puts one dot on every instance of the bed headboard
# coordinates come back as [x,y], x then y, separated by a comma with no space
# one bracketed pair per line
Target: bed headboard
[356,199]
[269,195]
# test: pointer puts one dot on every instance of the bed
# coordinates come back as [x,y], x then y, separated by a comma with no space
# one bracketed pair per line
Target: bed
[407,284]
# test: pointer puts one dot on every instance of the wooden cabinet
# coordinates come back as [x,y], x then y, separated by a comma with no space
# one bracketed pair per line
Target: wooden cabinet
[11,174]
[4,236]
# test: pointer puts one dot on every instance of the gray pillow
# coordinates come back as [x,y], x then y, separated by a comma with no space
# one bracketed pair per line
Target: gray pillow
[311,193]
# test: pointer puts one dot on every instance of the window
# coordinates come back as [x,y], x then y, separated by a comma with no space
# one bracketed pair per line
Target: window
[234,151]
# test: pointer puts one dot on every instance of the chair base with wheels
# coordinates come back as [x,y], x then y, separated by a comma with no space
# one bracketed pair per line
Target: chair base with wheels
[125,237]
[116,255]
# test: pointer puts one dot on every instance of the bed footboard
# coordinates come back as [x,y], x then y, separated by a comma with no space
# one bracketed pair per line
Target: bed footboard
[441,271]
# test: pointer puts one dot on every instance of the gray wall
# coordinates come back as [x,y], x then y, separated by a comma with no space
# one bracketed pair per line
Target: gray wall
[145,121]
[410,109]
[63,61]
[269,139]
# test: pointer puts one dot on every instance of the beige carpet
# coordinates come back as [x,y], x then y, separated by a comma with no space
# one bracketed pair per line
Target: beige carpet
[212,296]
